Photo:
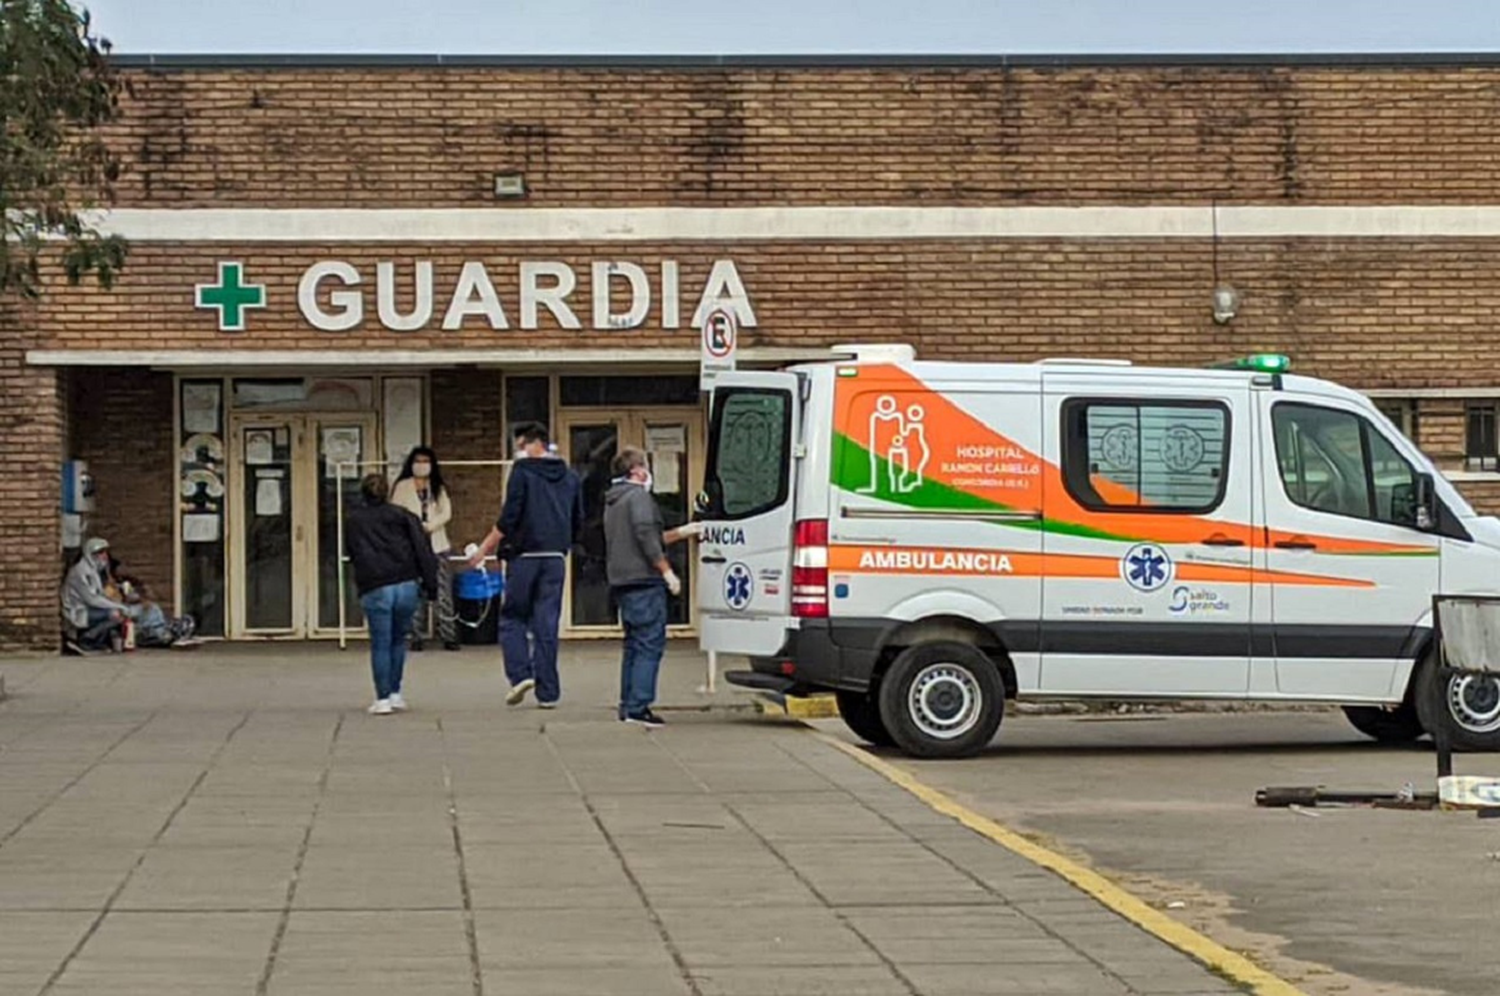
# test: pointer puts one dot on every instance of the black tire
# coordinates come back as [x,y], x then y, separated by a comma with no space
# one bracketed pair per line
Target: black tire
[860,712]
[1389,726]
[1468,705]
[942,699]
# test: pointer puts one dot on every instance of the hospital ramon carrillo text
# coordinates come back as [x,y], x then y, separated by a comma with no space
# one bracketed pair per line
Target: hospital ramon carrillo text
[334,259]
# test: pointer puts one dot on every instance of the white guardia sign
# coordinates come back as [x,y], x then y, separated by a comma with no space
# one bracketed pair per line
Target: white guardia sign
[332,296]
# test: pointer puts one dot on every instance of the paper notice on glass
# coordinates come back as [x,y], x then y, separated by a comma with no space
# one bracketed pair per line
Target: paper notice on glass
[341,448]
[200,529]
[200,408]
[258,447]
[666,473]
[268,497]
[666,438]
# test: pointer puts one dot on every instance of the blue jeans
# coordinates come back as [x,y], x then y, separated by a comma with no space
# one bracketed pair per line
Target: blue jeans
[388,612]
[529,616]
[643,611]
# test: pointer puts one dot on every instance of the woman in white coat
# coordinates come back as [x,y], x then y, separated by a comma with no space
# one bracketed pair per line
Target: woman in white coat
[420,490]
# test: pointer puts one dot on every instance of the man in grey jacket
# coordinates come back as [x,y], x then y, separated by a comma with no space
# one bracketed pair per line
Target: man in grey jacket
[640,577]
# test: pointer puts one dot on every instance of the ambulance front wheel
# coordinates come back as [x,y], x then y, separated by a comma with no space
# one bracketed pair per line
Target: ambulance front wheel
[942,699]
[860,711]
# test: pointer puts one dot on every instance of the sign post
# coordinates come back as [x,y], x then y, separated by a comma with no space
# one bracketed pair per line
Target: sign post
[720,341]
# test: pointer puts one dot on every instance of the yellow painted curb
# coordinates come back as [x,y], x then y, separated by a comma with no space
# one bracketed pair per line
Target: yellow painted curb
[809,707]
[1235,967]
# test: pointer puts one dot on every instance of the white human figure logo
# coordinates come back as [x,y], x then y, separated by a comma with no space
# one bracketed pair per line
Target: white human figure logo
[915,446]
[886,429]
[898,463]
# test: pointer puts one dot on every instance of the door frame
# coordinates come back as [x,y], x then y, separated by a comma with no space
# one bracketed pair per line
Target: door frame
[305,581]
[631,425]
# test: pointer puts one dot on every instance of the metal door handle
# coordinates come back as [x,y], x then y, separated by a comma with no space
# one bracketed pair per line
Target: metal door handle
[1296,543]
[1219,539]
[713,559]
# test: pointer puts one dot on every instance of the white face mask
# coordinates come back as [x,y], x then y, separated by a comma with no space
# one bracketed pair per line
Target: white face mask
[421,470]
[646,482]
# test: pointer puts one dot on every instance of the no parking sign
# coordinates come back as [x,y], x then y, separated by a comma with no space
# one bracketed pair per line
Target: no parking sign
[720,341]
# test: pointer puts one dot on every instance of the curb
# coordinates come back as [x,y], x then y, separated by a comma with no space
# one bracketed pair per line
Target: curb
[1211,954]
[797,707]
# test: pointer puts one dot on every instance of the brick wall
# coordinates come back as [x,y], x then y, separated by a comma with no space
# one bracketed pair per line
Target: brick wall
[896,135]
[31,432]
[122,425]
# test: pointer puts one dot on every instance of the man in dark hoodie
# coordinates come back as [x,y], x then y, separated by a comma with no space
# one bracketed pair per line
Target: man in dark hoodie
[640,578]
[543,511]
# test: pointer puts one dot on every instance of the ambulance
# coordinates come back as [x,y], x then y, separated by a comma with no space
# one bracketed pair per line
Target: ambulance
[929,540]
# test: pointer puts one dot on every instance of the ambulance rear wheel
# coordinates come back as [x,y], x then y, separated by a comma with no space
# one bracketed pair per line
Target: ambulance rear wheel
[861,713]
[942,699]
[1468,704]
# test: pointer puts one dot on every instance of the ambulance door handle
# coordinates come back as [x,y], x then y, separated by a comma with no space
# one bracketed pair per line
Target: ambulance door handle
[1296,543]
[713,558]
[1219,539]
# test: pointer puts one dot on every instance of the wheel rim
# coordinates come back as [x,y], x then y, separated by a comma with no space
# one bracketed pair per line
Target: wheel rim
[1474,702]
[945,701]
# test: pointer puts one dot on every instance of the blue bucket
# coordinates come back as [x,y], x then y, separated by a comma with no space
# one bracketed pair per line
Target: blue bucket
[479,586]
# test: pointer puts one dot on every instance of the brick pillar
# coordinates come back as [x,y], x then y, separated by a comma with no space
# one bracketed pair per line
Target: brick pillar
[467,425]
[32,434]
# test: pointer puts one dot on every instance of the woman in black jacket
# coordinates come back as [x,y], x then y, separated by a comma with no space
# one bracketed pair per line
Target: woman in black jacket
[393,566]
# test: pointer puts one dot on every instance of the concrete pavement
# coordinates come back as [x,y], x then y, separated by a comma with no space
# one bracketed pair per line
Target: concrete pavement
[230,821]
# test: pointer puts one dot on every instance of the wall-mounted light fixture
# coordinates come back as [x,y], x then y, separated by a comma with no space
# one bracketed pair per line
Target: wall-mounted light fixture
[1226,303]
[509,186]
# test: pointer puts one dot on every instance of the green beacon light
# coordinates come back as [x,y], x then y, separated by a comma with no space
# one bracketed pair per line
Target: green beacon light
[1270,363]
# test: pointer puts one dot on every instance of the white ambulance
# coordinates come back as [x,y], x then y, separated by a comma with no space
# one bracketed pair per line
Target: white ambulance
[928,540]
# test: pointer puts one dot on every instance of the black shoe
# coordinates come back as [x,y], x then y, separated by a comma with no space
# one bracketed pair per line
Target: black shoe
[451,645]
[647,718]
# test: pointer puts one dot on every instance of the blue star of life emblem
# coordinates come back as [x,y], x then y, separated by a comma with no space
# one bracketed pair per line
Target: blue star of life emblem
[739,585]
[1146,567]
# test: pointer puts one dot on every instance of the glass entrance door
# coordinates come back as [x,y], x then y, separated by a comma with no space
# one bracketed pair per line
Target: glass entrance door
[286,472]
[590,442]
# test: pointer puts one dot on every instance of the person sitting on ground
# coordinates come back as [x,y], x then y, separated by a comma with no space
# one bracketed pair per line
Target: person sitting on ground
[94,621]
[154,628]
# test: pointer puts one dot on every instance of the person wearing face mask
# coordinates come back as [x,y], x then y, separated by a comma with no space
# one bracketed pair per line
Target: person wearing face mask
[543,512]
[420,490]
[640,579]
[93,618]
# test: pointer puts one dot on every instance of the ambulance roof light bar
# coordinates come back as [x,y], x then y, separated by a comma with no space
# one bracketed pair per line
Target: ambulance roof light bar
[1266,363]
[875,352]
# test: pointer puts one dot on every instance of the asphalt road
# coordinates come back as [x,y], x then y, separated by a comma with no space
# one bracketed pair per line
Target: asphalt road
[1391,902]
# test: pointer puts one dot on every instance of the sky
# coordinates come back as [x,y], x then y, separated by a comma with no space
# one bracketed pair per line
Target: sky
[788,27]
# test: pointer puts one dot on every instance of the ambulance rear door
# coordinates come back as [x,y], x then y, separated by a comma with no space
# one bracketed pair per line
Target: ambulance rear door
[745,554]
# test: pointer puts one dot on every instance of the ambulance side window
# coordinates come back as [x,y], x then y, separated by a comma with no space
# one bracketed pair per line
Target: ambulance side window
[1145,456]
[1337,462]
[749,466]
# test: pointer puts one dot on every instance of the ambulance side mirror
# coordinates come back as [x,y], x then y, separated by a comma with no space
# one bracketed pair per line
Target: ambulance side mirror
[701,505]
[1426,503]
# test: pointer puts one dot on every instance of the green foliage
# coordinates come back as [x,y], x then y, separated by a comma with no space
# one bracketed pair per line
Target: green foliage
[57,89]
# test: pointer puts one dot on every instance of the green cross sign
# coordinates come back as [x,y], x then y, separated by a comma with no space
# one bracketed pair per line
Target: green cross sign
[231,296]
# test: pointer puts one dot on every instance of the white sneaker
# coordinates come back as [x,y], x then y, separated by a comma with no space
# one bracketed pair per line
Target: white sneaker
[546,705]
[398,702]
[518,692]
[382,707]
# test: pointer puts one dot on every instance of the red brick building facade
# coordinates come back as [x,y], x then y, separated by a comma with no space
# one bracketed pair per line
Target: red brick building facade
[980,209]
